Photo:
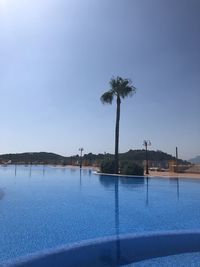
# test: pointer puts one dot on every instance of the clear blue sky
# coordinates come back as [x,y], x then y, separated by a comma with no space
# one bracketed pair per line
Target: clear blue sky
[57,57]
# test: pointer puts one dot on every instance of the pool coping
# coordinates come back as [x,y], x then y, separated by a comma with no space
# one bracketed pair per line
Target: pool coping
[178,175]
[123,249]
[118,175]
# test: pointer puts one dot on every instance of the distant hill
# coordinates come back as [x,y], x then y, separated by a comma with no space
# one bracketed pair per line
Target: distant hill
[137,155]
[33,157]
[141,155]
[195,160]
[88,159]
[159,158]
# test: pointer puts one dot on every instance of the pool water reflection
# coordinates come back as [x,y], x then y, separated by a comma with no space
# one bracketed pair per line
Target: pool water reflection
[45,207]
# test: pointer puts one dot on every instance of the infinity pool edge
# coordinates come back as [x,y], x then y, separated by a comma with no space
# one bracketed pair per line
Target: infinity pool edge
[123,249]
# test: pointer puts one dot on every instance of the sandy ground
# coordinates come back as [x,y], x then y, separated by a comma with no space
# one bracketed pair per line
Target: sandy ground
[173,175]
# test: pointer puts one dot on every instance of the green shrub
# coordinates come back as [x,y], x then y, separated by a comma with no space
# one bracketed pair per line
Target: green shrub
[131,168]
[108,166]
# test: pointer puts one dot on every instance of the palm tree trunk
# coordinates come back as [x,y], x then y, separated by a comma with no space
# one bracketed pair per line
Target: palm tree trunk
[117,136]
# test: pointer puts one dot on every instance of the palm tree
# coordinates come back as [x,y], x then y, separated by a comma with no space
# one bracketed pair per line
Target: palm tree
[120,88]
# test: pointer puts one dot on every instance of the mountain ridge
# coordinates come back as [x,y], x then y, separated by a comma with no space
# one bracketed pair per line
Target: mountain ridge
[195,160]
[90,158]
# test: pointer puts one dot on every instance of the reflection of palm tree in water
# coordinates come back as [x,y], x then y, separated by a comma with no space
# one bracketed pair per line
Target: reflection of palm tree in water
[15,170]
[178,188]
[80,178]
[43,170]
[117,221]
[175,181]
[114,182]
[30,170]
[147,191]
[2,193]
[128,184]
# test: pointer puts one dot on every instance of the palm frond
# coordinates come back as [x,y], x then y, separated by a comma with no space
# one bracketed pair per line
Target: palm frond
[119,87]
[126,90]
[107,97]
[114,84]
[122,87]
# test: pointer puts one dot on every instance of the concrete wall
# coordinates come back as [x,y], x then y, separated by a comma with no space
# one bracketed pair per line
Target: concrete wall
[112,251]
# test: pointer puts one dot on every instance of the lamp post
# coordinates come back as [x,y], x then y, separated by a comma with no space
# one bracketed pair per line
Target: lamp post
[81,151]
[177,159]
[146,144]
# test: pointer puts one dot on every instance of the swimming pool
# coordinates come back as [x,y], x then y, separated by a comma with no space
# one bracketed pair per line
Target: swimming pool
[43,208]
[183,260]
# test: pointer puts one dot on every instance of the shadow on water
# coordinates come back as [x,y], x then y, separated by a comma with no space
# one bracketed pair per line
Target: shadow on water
[175,182]
[107,181]
[2,194]
[127,182]
[132,183]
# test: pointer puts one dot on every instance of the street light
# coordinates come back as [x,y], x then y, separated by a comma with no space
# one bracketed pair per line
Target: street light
[146,144]
[81,151]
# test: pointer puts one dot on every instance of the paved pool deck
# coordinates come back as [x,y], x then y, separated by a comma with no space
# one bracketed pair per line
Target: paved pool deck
[173,175]
[152,174]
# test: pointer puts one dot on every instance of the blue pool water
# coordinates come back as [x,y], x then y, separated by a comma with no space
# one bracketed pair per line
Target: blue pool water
[183,260]
[46,208]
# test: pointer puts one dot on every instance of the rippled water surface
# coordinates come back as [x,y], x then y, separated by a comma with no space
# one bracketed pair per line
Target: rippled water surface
[47,207]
